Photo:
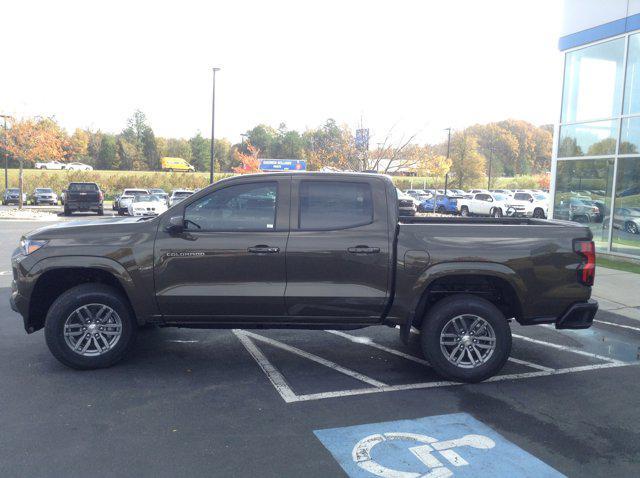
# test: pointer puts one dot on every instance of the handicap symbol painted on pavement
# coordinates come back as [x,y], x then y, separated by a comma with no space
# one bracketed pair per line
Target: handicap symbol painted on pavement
[443,446]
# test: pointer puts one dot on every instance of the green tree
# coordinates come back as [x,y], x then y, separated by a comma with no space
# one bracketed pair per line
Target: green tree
[467,164]
[150,149]
[107,157]
[200,152]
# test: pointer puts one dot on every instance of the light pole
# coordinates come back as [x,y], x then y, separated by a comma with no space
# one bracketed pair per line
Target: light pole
[446,176]
[6,153]
[213,126]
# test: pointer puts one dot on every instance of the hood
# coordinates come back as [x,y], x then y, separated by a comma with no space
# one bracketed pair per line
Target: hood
[106,226]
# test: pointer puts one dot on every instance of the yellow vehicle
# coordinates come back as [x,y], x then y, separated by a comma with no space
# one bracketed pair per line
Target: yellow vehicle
[175,164]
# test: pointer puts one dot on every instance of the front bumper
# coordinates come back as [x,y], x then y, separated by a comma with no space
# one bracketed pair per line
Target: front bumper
[578,316]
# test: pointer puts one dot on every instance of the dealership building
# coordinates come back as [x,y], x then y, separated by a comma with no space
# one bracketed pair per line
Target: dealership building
[596,153]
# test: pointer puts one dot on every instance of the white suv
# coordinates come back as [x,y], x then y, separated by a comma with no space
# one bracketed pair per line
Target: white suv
[534,204]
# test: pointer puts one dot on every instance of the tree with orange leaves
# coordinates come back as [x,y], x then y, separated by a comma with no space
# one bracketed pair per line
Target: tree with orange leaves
[35,140]
[249,163]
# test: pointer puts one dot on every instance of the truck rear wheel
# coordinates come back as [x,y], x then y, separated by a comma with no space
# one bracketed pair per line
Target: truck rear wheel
[90,326]
[466,338]
[464,211]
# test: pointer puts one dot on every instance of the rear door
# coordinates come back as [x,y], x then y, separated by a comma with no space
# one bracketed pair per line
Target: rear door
[338,254]
[229,263]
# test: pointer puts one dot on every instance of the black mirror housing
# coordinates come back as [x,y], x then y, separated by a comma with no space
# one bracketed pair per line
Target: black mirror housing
[176,225]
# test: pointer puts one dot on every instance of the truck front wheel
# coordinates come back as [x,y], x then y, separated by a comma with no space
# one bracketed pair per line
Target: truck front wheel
[90,326]
[466,338]
[464,211]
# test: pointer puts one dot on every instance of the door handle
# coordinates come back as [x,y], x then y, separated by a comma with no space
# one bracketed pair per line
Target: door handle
[363,250]
[263,249]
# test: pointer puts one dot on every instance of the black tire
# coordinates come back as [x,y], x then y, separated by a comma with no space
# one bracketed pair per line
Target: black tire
[71,300]
[101,212]
[440,315]
[120,212]
[538,213]
[631,228]
[67,211]
[440,210]
[464,211]
[496,212]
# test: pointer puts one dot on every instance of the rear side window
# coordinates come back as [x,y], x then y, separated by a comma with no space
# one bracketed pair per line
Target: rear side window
[85,187]
[335,204]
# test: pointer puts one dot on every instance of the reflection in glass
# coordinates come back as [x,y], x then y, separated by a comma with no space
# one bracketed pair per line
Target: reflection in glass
[626,211]
[588,139]
[630,136]
[632,82]
[583,194]
[593,82]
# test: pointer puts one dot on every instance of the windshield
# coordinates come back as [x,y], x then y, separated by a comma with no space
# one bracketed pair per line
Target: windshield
[540,197]
[500,197]
[146,198]
[44,190]
[182,194]
[13,190]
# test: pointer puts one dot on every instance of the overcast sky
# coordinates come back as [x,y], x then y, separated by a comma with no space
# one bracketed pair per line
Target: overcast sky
[415,66]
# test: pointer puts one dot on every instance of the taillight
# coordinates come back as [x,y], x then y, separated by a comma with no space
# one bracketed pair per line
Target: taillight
[587,268]
[100,196]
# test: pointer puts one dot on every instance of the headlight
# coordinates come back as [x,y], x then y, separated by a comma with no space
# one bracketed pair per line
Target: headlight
[29,245]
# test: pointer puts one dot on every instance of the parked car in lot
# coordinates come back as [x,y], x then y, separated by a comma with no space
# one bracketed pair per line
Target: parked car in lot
[121,202]
[44,196]
[178,195]
[81,197]
[406,204]
[50,165]
[12,196]
[78,167]
[534,204]
[147,205]
[419,194]
[577,209]
[627,219]
[335,256]
[486,204]
[444,205]
[161,194]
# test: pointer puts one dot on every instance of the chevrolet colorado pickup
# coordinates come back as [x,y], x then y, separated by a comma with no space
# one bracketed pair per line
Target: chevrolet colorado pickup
[304,250]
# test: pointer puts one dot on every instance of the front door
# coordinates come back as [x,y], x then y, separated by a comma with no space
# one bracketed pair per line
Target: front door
[229,262]
[338,253]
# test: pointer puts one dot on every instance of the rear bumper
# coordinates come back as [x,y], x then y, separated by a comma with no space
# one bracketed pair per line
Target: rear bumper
[578,316]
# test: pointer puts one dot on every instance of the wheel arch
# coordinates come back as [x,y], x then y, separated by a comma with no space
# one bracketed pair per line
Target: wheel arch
[495,282]
[52,277]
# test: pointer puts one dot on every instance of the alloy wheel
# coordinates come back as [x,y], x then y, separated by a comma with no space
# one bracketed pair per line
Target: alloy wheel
[92,329]
[467,341]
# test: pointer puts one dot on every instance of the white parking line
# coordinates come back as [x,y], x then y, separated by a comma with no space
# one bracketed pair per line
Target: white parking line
[416,386]
[566,348]
[315,358]
[276,378]
[371,343]
[289,396]
[637,329]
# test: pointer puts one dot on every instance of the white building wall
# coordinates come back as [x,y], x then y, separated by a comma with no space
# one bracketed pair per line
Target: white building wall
[581,15]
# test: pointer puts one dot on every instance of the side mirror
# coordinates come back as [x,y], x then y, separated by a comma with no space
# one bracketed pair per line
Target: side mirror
[530,199]
[176,225]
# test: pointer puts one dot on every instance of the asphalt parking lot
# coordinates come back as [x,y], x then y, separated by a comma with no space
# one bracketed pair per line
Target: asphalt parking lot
[287,403]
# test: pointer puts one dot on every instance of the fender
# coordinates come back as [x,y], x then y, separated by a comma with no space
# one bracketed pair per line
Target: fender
[448,269]
[142,305]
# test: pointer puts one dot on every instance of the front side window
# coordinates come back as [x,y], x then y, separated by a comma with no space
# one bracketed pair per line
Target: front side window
[335,204]
[243,207]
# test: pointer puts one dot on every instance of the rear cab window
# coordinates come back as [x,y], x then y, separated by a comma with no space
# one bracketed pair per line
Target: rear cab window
[326,205]
[83,187]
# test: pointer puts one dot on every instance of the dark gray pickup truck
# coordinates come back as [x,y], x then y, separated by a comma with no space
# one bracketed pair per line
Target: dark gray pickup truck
[304,250]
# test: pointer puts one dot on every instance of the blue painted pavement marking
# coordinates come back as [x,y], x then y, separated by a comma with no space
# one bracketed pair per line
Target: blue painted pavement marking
[430,447]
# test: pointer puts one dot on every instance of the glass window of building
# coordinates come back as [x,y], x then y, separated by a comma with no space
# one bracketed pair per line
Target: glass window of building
[583,194]
[632,82]
[588,139]
[626,209]
[630,136]
[593,79]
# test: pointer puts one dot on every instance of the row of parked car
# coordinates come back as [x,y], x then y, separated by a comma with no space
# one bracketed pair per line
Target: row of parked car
[477,202]
[85,197]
